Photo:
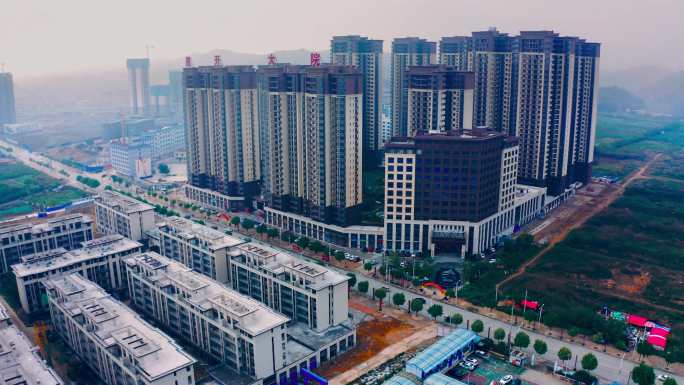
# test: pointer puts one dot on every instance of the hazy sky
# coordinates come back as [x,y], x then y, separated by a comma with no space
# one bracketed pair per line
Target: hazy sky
[40,37]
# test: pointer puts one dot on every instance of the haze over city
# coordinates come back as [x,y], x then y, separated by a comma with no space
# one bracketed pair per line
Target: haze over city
[334,192]
[46,37]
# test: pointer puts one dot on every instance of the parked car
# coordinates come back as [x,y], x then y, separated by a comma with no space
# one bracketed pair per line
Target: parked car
[481,354]
[506,380]
[663,377]
[472,361]
[467,365]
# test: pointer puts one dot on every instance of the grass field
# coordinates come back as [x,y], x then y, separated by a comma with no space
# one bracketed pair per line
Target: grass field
[24,190]
[630,258]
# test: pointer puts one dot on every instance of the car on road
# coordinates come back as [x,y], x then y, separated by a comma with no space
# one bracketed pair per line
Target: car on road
[663,377]
[506,380]
[467,365]
[473,361]
[481,354]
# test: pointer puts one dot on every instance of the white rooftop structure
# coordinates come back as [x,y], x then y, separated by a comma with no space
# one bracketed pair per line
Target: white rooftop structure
[4,315]
[187,229]
[155,353]
[122,203]
[60,258]
[20,363]
[207,294]
[40,225]
[278,262]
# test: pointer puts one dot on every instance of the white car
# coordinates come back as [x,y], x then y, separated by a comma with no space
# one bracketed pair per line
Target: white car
[467,365]
[473,361]
[663,377]
[505,380]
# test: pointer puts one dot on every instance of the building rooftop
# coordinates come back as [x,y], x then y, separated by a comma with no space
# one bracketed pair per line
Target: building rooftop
[122,203]
[441,350]
[155,353]
[60,258]
[206,294]
[39,225]
[4,315]
[20,363]
[278,262]
[187,229]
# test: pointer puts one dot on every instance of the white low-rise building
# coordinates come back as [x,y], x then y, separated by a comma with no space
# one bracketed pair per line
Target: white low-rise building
[212,199]
[306,292]
[118,345]
[254,342]
[119,214]
[20,362]
[198,247]
[99,260]
[36,236]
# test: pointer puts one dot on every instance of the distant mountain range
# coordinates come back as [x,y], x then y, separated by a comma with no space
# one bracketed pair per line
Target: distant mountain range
[661,90]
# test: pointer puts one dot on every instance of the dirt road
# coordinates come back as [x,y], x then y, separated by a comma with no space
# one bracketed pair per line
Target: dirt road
[583,217]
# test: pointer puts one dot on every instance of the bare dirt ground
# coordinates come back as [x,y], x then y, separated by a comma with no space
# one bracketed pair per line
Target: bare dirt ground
[379,339]
[575,215]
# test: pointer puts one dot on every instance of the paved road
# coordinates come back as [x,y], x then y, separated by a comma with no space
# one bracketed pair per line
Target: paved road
[610,368]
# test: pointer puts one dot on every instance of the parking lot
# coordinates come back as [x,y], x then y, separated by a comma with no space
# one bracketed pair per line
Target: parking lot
[490,369]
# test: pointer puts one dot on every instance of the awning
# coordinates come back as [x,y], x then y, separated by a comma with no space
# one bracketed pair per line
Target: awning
[657,340]
[636,320]
[660,332]
[534,305]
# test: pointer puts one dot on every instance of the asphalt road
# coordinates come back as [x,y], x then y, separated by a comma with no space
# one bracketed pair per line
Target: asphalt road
[610,368]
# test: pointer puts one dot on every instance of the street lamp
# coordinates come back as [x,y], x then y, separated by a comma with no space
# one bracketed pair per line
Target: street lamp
[541,310]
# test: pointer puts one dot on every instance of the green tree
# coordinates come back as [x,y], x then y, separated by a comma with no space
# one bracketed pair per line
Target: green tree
[499,334]
[261,229]
[362,287]
[247,224]
[163,168]
[316,246]
[670,381]
[302,242]
[456,319]
[530,317]
[477,326]
[233,221]
[380,294]
[540,347]
[338,255]
[398,299]
[435,311]
[417,305]
[352,280]
[645,349]
[450,293]
[573,332]
[643,374]
[272,232]
[368,266]
[521,340]
[564,354]
[589,362]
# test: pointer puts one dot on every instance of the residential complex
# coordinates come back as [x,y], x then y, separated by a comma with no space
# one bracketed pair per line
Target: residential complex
[307,293]
[222,126]
[131,157]
[540,87]
[454,192]
[440,99]
[99,260]
[314,145]
[37,236]
[7,109]
[20,361]
[198,247]
[366,55]
[119,214]
[111,339]
[406,52]
[254,342]
[139,85]
[167,140]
